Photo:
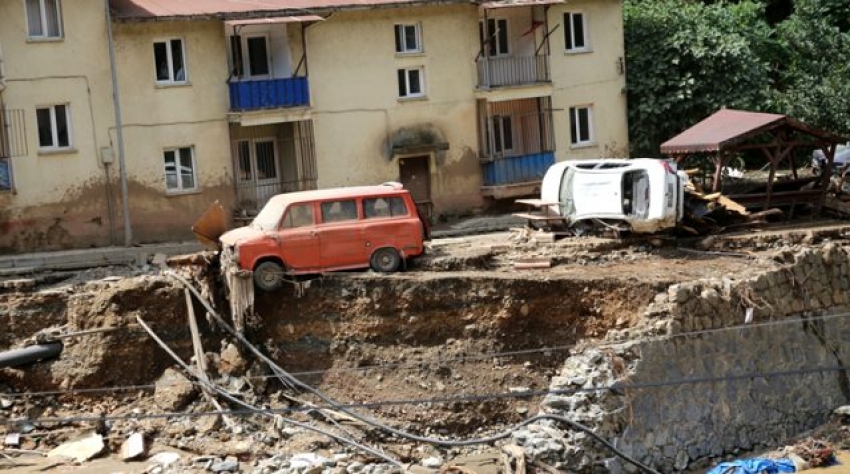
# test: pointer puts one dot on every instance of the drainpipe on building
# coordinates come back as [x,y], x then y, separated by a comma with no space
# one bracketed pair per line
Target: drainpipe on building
[116,101]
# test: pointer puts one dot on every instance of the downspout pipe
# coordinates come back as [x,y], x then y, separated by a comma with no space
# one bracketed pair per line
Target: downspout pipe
[116,102]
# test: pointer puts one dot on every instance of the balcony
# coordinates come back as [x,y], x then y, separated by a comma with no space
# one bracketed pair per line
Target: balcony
[512,71]
[517,169]
[258,94]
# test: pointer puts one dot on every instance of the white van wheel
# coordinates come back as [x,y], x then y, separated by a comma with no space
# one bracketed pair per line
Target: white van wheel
[268,276]
[385,260]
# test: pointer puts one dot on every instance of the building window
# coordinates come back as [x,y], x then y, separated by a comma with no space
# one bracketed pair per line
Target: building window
[575,36]
[5,174]
[180,172]
[495,37]
[581,126]
[411,82]
[169,61]
[503,135]
[44,19]
[54,127]
[408,38]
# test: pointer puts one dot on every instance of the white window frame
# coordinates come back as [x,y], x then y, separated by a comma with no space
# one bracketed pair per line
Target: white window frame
[180,189]
[42,11]
[170,60]
[570,28]
[54,129]
[400,31]
[407,71]
[484,29]
[575,140]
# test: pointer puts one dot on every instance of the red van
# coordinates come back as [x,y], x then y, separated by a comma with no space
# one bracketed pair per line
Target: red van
[326,230]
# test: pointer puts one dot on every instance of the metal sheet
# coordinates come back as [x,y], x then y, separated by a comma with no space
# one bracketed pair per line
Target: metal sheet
[719,129]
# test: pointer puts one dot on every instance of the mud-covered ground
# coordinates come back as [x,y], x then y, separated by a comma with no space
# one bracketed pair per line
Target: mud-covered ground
[441,349]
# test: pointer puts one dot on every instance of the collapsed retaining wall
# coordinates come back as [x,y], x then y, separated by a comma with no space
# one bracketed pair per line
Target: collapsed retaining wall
[667,424]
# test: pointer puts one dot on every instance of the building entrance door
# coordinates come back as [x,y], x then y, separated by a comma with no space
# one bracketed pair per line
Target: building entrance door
[414,174]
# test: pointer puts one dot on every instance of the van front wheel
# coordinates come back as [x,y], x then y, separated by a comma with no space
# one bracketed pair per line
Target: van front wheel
[385,260]
[268,276]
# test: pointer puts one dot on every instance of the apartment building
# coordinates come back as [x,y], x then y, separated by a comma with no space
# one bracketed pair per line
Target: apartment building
[221,100]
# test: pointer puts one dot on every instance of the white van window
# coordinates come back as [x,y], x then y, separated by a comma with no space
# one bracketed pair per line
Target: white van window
[384,207]
[298,215]
[336,211]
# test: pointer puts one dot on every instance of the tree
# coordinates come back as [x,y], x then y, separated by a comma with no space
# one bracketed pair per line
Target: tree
[685,60]
[814,70]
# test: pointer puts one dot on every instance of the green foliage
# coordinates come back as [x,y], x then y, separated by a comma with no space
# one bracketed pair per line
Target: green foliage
[814,75]
[685,60]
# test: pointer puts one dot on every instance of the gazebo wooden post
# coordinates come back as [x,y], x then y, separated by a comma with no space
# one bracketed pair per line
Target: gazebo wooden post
[719,159]
[770,177]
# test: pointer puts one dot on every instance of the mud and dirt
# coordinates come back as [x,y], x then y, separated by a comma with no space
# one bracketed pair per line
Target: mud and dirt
[438,349]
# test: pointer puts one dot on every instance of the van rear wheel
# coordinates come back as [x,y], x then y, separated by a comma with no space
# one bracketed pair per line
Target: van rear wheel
[268,276]
[385,260]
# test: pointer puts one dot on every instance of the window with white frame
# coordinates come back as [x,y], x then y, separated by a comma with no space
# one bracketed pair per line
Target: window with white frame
[180,169]
[44,19]
[494,37]
[575,32]
[170,62]
[54,127]
[411,82]
[408,38]
[581,125]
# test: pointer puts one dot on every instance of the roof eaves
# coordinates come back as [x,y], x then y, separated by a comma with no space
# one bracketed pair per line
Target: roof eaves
[319,10]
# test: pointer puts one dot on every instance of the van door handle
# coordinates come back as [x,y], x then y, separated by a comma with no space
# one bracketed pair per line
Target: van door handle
[312,233]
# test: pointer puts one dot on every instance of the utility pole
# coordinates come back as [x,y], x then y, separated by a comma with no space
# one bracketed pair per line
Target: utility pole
[116,102]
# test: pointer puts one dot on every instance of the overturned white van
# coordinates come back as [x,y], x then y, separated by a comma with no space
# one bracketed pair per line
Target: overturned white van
[641,195]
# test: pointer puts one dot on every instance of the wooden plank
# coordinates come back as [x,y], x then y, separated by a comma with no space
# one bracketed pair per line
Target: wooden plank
[536,202]
[732,205]
[537,217]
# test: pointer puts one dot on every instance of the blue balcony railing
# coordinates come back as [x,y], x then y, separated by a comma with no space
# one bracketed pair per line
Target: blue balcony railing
[517,169]
[269,93]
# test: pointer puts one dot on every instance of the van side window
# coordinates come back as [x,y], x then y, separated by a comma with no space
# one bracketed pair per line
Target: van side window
[336,211]
[384,207]
[298,215]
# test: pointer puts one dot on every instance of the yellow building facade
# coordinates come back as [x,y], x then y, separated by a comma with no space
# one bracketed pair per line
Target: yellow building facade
[463,103]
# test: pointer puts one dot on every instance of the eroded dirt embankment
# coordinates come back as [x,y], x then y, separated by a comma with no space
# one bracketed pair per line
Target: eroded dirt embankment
[471,337]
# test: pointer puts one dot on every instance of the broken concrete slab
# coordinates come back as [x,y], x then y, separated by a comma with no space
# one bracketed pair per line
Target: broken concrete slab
[80,450]
[134,447]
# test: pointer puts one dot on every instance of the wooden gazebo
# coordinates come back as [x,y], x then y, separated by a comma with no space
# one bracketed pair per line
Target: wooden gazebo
[727,132]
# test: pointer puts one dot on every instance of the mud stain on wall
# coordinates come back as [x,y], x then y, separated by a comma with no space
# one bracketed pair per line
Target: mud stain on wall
[81,217]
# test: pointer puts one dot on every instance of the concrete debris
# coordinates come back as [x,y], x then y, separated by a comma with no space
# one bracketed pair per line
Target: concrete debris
[843,412]
[433,462]
[79,450]
[12,440]
[173,391]
[164,459]
[6,403]
[133,447]
[230,464]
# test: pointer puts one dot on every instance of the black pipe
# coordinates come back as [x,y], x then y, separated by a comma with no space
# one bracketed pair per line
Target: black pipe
[30,354]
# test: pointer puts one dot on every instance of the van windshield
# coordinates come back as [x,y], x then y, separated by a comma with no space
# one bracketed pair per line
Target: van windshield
[269,216]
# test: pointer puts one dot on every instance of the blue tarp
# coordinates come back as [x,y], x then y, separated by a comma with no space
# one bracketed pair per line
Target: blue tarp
[754,466]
